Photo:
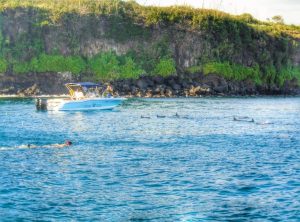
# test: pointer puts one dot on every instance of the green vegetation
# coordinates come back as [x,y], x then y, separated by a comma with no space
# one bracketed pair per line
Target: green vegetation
[233,71]
[278,19]
[289,73]
[165,68]
[104,66]
[3,65]
[194,69]
[239,72]
[109,66]
[187,16]
[51,63]
[236,47]
[130,70]
[149,57]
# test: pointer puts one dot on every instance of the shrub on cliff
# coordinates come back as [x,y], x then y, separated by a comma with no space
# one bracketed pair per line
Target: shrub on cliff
[165,67]
[110,66]
[130,70]
[51,63]
[233,71]
[3,65]
[58,63]
[105,66]
[288,73]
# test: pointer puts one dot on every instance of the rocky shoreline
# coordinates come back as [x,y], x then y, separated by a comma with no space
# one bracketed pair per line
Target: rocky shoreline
[189,85]
[198,85]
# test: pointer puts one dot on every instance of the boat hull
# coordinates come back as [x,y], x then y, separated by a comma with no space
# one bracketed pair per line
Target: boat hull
[85,104]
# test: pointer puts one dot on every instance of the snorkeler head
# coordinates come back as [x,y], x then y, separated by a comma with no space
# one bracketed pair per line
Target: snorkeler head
[68,143]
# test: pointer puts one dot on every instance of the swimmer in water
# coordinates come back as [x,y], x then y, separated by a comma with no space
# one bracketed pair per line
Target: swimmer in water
[32,146]
[67,143]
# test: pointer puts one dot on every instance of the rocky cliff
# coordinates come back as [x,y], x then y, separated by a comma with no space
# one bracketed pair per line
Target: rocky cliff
[183,55]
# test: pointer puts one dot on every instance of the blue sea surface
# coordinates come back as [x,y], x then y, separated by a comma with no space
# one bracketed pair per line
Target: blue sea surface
[199,165]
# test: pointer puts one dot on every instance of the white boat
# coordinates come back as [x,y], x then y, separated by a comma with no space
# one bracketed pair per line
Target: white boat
[83,96]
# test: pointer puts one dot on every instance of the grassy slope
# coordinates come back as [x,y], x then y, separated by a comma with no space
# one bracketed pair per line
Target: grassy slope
[183,15]
[224,31]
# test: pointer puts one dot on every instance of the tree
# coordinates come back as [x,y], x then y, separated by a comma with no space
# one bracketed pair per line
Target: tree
[278,19]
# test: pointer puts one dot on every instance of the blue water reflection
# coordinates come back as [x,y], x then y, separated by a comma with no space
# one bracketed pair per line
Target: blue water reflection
[199,165]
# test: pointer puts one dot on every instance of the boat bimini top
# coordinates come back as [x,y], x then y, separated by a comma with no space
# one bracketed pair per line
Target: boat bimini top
[80,87]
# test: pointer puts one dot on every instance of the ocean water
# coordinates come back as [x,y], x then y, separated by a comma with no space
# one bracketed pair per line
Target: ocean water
[200,165]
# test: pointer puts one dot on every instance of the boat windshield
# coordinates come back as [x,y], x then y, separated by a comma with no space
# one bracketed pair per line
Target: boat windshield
[83,90]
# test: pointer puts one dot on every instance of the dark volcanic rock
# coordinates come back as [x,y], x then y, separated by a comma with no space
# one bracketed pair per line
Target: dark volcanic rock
[291,87]
[158,80]
[142,84]
[188,85]
[221,88]
[44,83]
[32,91]
[176,86]
[169,92]
[211,80]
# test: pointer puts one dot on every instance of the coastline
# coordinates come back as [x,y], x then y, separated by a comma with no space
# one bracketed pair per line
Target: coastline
[189,85]
[16,96]
[64,96]
[153,57]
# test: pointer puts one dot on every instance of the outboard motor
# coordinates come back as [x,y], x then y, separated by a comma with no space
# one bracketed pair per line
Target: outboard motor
[41,104]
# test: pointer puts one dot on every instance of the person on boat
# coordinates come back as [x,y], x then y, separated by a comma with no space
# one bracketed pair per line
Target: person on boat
[90,93]
[78,94]
[108,91]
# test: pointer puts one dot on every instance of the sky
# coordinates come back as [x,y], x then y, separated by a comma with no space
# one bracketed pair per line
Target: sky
[261,9]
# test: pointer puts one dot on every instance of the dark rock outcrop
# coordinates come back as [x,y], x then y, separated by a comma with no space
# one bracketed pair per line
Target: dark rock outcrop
[189,85]
[35,84]
[197,85]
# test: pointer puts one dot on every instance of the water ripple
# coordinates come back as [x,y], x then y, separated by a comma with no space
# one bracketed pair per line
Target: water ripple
[195,164]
